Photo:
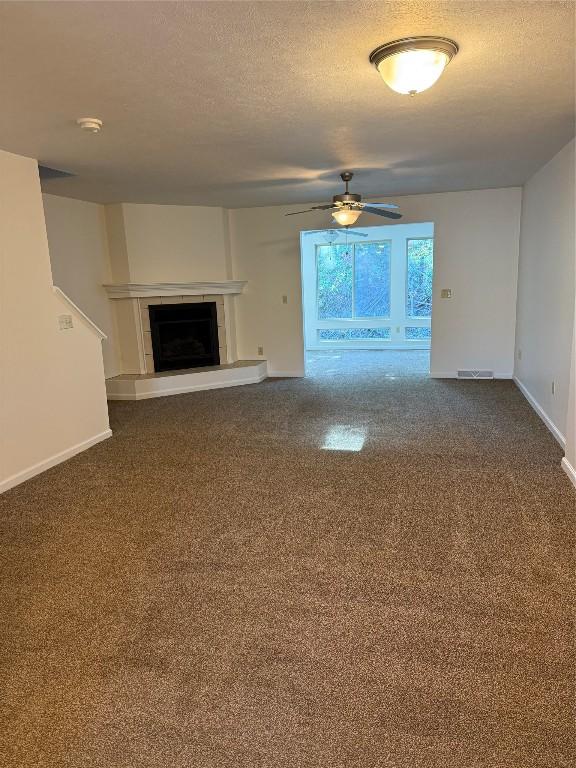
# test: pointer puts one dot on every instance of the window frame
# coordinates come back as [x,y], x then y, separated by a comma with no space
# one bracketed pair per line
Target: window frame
[407,316]
[354,317]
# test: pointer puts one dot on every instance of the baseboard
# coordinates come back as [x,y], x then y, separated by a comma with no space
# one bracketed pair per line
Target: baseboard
[58,458]
[570,471]
[454,375]
[542,413]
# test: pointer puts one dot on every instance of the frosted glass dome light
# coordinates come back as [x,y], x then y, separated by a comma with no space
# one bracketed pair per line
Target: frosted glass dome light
[414,64]
[346,216]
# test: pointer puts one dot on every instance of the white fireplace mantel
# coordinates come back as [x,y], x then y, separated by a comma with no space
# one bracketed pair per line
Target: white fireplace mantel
[142,290]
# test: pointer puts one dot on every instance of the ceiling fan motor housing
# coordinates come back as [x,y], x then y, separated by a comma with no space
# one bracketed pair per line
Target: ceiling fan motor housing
[347,198]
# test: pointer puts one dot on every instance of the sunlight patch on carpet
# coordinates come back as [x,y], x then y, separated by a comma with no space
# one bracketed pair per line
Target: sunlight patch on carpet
[342,438]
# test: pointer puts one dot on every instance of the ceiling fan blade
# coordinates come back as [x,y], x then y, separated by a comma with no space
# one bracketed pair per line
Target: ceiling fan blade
[314,208]
[380,212]
[381,205]
[337,232]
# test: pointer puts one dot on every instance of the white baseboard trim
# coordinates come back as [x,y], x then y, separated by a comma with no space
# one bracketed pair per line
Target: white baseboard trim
[454,375]
[570,471]
[58,458]
[542,413]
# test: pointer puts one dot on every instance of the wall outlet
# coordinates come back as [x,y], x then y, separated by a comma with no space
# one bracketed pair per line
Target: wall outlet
[519,354]
[284,299]
[553,388]
[65,322]
[446,293]
[260,350]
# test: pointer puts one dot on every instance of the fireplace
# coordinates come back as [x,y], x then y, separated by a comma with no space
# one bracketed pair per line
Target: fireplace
[184,335]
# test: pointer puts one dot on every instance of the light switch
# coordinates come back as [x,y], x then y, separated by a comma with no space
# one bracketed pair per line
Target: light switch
[446,293]
[284,299]
[65,322]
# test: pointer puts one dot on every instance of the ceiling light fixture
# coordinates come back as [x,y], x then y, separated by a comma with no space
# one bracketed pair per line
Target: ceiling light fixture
[346,216]
[90,124]
[413,64]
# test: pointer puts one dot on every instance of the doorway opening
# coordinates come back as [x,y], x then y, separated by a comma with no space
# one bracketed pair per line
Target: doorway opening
[367,299]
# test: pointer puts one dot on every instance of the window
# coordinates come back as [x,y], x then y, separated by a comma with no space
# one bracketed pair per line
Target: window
[368,288]
[418,333]
[372,279]
[419,278]
[334,281]
[353,280]
[350,334]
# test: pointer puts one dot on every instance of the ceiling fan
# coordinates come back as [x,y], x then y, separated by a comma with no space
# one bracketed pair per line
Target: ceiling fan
[331,235]
[347,207]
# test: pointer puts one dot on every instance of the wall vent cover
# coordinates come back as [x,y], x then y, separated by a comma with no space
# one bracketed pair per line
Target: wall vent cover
[52,173]
[475,374]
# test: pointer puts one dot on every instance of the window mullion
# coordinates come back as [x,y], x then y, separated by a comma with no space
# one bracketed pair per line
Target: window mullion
[353,281]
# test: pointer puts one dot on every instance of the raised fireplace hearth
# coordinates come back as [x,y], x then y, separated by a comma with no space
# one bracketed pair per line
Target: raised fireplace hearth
[184,335]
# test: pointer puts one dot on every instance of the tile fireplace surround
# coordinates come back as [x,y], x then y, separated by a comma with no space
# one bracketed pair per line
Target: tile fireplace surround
[132,300]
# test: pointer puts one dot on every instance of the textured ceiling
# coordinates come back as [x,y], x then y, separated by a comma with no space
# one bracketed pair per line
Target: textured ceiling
[242,104]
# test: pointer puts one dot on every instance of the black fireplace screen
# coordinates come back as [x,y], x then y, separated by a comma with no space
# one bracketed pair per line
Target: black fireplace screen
[184,335]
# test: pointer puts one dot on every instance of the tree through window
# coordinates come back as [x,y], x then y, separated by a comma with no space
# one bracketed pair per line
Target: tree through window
[353,280]
[419,277]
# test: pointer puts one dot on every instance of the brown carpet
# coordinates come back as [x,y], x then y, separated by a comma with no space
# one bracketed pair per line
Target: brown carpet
[212,589]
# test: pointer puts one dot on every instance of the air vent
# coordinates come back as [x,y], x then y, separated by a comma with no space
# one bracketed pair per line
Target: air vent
[52,173]
[475,374]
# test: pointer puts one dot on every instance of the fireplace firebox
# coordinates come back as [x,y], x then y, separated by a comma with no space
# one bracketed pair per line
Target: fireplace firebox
[184,335]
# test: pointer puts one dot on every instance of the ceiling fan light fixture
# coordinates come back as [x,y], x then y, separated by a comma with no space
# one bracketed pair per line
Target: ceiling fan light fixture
[347,207]
[346,216]
[413,64]
[90,124]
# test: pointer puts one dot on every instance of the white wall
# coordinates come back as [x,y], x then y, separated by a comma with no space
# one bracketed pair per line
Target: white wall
[176,243]
[476,255]
[52,391]
[570,457]
[80,265]
[265,247]
[545,316]
[92,244]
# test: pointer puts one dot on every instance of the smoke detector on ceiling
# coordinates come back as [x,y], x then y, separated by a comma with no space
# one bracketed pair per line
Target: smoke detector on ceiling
[90,124]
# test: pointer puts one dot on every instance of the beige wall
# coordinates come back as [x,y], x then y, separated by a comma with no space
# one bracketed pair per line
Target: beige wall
[92,244]
[545,316]
[80,265]
[571,417]
[175,243]
[52,392]
[476,255]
